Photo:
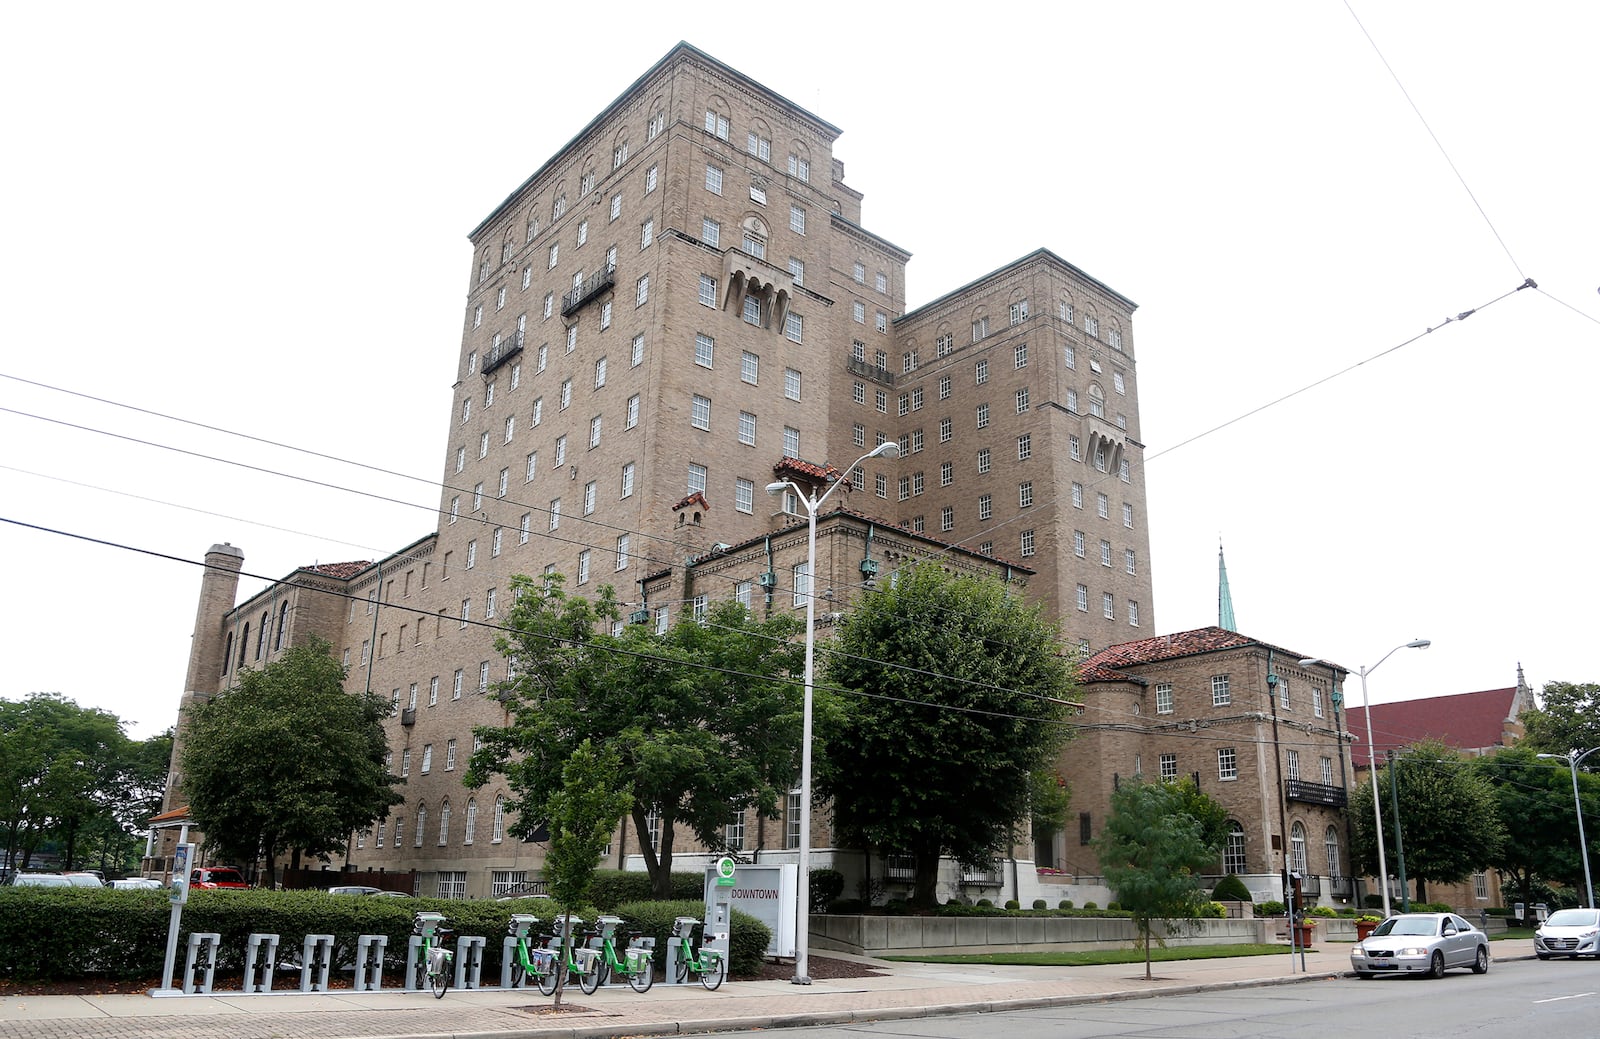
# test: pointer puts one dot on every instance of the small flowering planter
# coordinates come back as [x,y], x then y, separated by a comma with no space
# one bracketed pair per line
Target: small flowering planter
[1365,927]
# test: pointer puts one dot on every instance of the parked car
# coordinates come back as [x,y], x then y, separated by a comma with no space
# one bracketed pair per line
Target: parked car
[355,889]
[138,884]
[1421,943]
[1568,932]
[222,877]
[40,880]
[83,878]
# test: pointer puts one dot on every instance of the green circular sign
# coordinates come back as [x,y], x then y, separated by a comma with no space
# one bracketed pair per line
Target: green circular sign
[725,868]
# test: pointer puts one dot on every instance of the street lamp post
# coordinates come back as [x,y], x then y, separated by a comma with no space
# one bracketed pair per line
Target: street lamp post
[888,449]
[1572,758]
[1372,759]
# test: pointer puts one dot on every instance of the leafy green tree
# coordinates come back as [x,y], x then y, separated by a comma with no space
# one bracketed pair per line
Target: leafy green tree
[1449,818]
[1567,718]
[1049,797]
[582,813]
[704,719]
[69,776]
[1152,851]
[955,693]
[287,760]
[1535,807]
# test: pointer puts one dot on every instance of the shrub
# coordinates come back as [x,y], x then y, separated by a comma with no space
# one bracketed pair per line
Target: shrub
[1040,903]
[847,906]
[1270,909]
[985,903]
[612,887]
[1321,911]
[1231,889]
[1012,903]
[1213,911]
[826,886]
[1113,906]
[1091,905]
[1373,901]
[1431,907]
[1065,903]
[896,907]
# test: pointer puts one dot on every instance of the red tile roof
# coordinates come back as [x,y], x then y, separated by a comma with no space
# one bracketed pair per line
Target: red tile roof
[342,571]
[694,499]
[1465,721]
[1110,664]
[788,467]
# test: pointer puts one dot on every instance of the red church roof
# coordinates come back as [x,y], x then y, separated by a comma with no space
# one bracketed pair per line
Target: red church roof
[1465,721]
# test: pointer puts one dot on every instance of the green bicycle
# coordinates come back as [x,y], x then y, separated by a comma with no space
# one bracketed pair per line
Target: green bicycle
[583,964]
[534,961]
[637,961]
[435,963]
[709,965]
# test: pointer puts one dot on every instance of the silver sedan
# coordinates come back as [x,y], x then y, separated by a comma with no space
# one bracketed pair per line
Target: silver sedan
[1421,943]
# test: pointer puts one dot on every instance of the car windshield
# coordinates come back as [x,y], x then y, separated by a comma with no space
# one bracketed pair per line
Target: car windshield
[1573,918]
[1408,925]
[223,876]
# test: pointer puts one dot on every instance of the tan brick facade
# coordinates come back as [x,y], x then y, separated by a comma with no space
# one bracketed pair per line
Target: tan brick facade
[675,301]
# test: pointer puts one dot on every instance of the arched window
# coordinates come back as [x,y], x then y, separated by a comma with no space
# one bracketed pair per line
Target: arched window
[422,825]
[444,823]
[472,821]
[227,655]
[1297,849]
[283,623]
[499,818]
[1330,844]
[1233,860]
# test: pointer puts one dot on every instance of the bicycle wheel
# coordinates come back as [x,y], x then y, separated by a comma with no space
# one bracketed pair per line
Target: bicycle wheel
[604,969]
[680,970]
[419,980]
[589,979]
[716,970]
[548,979]
[440,978]
[644,977]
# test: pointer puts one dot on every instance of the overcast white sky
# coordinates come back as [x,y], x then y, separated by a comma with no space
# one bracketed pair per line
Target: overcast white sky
[255,217]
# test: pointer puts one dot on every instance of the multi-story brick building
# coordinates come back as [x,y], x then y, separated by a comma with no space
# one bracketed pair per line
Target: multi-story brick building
[1258,732]
[677,301]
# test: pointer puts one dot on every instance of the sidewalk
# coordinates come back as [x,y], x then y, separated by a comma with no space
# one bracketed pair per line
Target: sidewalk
[904,990]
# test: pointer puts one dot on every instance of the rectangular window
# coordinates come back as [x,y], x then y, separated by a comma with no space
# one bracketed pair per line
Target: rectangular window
[622,551]
[801,582]
[708,290]
[749,368]
[791,442]
[983,460]
[980,372]
[983,416]
[1127,515]
[1024,447]
[1316,700]
[1292,764]
[747,429]
[1103,506]
[588,498]
[1105,553]
[627,480]
[1221,696]
[1083,597]
[713,179]
[641,291]
[1227,763]
[1133,613]
[1108,606]
[980,328]
[1169,768]
[744,495]
[631,418]
[583,567]
[555,513]
[880,321]
[1019,355]
[985,506]
[947,473]
[704,348]
[647,234]
[1163,697]
[1026,543]
[700,412]
[947,518]
[710,232]
[697,479]
[455,689]
[1019,314]
[1130,561]
[1025,494]
[797,270]
[794,327]
[797,220]
[791,384]
[1022,400]
[1078,541]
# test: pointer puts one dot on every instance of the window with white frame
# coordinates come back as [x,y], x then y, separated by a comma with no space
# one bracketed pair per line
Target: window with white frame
[1133,613]
[708,290]
[791,824]
[1233,856]
[622,551]
[800,578]
[733,832]
[1168,764]
[1025,543]
[794,327]
[947,473]
[744,495]
[797,219]
[983,416]
[1163,697]
[791,442]
[1297,848]
[747,428]
[1325,770]
[704,349]
[1292,764]
[697,478]
[700,412]
[498,828]
[631,413]
[1083,597]
[1316,700]
[627,480]
[1025,494]
[1024,447]
[1227,763]
[714,179]
[1221,695]
[983,459]
[791,384]
[1108,606]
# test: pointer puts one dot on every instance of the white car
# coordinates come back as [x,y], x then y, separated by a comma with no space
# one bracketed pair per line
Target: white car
[1568,932]
[138,884]
[40,880]
[1421,943]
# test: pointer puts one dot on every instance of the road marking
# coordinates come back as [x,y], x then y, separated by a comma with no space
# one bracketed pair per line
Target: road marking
[1557,999]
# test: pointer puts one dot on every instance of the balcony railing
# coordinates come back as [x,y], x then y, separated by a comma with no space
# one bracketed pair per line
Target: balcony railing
[987,877]
[869,371]
[900,867]
[592,286]
[1314,793]
[509,347]
[1342,887]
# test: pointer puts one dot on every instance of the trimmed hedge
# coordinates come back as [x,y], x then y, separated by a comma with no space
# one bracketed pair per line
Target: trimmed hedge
[62,933]
[613,887]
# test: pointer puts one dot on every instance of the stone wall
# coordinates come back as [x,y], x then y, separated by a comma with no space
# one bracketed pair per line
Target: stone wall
[888,935]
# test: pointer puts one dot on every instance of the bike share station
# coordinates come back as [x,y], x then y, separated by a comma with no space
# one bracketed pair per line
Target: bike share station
[767,891]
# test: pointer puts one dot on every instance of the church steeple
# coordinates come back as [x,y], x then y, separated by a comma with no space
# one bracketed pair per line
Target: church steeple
[1224,596]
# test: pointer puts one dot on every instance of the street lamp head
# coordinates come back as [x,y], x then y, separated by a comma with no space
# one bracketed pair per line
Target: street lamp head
[1419,644]
[1308,661]
[887,449]
[778,487]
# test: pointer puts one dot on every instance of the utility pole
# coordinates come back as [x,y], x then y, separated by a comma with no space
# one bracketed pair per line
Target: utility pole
[1399,841]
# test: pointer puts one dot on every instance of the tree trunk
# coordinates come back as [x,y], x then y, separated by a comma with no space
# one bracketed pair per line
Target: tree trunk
[1422,890]
[1147,976]
[925,883]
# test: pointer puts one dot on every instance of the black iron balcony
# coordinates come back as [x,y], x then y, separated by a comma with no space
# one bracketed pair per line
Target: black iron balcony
[509,347]
[592,286]
[1342,887]
[869,371]
[900,867]
[1314,793]
[981,877]
[408,716]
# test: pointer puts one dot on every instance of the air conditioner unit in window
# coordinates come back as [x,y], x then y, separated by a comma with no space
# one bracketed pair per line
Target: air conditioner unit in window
[768,580]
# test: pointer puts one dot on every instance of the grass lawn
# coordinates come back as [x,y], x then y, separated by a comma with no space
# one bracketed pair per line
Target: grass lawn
[1090,958]
[1513,932]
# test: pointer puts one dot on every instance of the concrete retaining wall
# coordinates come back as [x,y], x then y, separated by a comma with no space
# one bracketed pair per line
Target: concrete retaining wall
[890,935]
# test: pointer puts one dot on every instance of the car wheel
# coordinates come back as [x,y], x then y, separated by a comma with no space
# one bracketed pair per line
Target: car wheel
[1436,965]
[1481,964]
[1542,955]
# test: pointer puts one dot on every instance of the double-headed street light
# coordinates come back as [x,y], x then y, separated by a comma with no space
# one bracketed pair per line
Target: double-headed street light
[1572,758]
[888,449]
[1372,759]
